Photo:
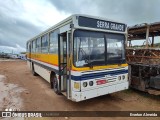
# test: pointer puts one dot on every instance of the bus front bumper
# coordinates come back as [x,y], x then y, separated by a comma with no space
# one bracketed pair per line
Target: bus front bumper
[88,94]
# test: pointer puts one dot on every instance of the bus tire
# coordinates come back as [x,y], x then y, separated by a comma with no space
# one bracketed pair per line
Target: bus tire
[54,85]
[33,71]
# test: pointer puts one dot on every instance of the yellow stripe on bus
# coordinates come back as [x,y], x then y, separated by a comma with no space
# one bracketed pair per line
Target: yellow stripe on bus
[47,58]
[53,60]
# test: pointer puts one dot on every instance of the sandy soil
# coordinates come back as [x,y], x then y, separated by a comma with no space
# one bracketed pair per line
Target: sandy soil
[20,90]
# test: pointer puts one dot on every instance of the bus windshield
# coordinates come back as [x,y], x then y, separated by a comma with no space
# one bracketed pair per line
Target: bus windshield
[97,48]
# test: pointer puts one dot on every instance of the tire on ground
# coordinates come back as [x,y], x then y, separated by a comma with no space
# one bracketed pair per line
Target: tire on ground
[54,84]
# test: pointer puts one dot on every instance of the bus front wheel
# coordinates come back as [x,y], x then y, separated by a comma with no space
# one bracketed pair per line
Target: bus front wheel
[55,84]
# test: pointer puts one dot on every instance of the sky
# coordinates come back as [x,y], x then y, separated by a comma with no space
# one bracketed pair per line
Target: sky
[20,20]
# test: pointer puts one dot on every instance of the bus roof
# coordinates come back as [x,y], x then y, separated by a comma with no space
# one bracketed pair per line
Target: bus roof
[70,19]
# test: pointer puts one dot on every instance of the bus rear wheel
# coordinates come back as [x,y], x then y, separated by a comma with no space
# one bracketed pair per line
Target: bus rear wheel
[55,84]
[33,71]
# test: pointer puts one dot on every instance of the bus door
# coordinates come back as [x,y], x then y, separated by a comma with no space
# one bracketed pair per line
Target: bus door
[62,59]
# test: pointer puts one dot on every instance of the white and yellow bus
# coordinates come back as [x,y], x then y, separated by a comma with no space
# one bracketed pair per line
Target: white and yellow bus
[81,57]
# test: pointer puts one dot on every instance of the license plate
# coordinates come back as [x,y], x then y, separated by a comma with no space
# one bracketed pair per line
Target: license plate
[100,82]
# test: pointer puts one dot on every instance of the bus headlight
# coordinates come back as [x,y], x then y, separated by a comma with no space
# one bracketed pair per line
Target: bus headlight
[85,84]
[119,77]
[123,77]
[90,83]
[76,85]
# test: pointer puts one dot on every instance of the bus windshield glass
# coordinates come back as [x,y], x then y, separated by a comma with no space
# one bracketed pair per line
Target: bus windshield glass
[97,48]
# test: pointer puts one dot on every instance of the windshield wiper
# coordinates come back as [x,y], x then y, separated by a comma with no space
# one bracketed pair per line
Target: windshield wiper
[89,64]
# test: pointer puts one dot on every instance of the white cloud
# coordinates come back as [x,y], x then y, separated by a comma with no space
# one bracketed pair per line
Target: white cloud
[7,49]
[22,19]
[41,13]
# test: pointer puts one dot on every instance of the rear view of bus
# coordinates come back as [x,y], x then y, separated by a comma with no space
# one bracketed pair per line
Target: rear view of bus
[90,58]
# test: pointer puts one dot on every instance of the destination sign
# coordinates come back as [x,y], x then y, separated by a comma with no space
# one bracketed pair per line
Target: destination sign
[100,24]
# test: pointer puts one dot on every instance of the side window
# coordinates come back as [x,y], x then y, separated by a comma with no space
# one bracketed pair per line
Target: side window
[38,45]
[29,46]
[53,42]
[45,43]
[33,46]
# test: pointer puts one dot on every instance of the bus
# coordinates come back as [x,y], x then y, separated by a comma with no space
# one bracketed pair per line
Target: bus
[81,57]
[144,58]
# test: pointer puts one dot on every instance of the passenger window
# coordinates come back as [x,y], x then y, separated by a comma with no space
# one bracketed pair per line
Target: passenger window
[45,43]
[53,42]
[33,46]
[38,45]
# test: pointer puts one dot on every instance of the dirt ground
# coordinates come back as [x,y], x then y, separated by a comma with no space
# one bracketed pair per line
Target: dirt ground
[20,90]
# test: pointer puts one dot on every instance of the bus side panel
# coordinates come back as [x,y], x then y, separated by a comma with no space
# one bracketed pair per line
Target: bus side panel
[29,64]
[42,72]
